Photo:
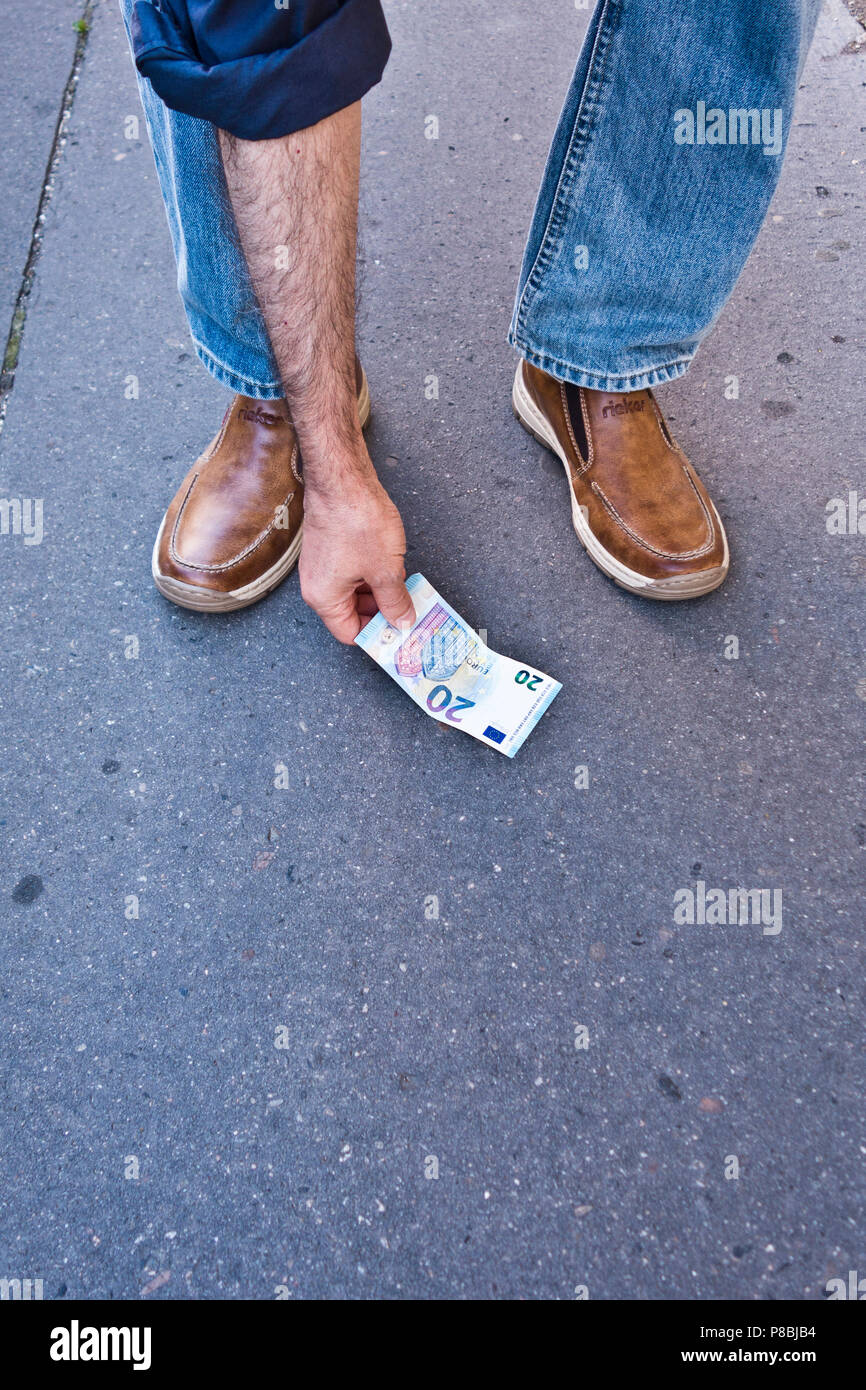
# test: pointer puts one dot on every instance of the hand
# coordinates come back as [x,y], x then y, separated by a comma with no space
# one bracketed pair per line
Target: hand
[352,558]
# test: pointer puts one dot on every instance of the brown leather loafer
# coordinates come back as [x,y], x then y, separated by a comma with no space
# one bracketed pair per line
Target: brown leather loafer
[638,507]
[233,531]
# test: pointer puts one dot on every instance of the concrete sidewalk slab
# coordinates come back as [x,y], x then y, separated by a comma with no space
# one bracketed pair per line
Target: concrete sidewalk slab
[35,62]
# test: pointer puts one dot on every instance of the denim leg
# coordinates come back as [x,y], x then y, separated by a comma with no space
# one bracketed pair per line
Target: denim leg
[225,322]
[663,164]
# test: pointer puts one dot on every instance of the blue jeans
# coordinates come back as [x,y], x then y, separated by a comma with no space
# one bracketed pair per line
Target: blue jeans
[227,327]
[662,166]
[638,236]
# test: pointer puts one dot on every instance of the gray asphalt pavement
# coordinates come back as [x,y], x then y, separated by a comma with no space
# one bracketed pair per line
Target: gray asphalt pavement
[424,1023]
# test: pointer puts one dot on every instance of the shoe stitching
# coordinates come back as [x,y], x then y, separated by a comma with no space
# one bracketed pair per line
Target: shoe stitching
[236,559]
[585,413]
[663,425]
[568,426]
[664,554]
[583,463]
[209,452]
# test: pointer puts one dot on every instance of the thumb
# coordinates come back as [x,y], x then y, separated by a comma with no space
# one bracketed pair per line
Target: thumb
[394,602]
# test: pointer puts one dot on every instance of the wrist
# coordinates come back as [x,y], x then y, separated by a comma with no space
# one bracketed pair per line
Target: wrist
[342,484]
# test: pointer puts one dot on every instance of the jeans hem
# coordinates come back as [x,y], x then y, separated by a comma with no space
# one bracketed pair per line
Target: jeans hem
[599,381]
[241,385]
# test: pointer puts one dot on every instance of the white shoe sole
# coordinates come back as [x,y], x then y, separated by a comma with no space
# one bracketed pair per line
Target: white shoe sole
[211,600]
[685,586]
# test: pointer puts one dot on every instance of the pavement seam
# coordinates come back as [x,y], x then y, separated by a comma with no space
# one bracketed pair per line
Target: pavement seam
[12,346]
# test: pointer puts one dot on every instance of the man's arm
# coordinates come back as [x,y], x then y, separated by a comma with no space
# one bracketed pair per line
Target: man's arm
[300,192]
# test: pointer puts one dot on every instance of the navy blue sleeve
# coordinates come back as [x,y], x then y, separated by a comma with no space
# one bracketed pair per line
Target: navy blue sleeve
[257,69]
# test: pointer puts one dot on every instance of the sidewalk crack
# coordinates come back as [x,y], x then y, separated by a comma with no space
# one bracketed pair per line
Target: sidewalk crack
[12,346]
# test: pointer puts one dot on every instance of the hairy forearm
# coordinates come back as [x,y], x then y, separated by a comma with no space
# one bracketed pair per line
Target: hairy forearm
[295,202]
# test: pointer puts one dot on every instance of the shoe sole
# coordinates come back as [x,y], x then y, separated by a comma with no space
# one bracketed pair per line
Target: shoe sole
[211,601]
[681,587]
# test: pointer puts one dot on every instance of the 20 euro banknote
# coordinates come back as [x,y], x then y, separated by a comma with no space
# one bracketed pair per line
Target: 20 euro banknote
[446,668]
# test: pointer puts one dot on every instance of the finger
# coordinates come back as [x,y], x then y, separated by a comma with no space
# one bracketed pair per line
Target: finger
[344,628]
[393,599]
[340,618]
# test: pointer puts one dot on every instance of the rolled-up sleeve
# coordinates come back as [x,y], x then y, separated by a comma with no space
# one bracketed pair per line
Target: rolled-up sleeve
[256,69]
